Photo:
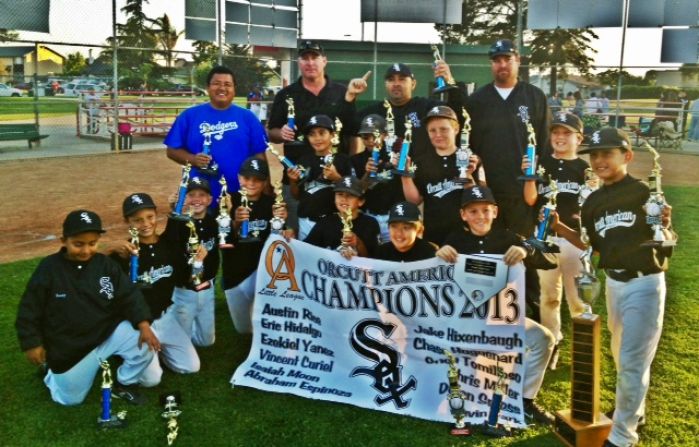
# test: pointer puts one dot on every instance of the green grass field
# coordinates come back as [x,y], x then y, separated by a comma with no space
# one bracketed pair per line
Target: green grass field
[214,414]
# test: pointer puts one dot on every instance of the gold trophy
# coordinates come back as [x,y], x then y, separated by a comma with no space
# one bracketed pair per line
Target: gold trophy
[401,168]
[491,427]
[390,130]
[346,218]
[532,173]
[176,213]
[336,137]
[224,216]
[456,398]
[144,280]
[197,265]
[655,204]
[106,419]
[288,163]
[291,122]
[442,85]
[464,152]
[246,235]
[540,238]
[171,413]
[277,223]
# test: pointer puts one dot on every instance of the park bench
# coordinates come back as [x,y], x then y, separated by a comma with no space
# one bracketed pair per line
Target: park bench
[29,132]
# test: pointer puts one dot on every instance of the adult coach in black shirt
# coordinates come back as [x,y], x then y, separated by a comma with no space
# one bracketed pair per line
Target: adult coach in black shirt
[499,113]
[313,94]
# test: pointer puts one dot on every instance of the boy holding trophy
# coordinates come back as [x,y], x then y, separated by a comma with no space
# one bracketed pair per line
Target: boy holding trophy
[614,217]
[239,264]
[80,308]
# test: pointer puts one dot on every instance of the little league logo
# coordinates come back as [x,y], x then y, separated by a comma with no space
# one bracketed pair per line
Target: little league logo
[386,370]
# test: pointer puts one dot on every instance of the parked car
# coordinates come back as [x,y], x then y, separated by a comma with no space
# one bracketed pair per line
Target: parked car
[73,89]
[9,91]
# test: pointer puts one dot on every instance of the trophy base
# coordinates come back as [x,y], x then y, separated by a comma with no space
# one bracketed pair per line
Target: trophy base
[496,431]
[403,173]
[463,181]
[659,244]
[527,178]
[543,246]
[443,89]
[580,434]
[465,431]
[112,422]
[202,286]
[179,217]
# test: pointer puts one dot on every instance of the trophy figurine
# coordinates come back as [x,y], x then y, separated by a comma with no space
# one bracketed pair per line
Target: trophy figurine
[384,175]
[655,204]
[491,426]
[463,153]
[172,412]
[246,236]
[224,216]
[390,126]
[212,168]
[288,163]
[143,280]
[442,85]
[456,398]
[336,138]
[346,218]
[532,173]
[405,148]
[540,238]
[197,265]
[176,213]
[291,122]
[591,184]
[106,419]
[277,223]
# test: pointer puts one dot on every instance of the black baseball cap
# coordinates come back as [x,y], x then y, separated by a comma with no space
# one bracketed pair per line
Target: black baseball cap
[607,138]
[350,185]
[502,46]
[81,221]
[440,112]
[254,167]
[198,183]
[399,69]
[323,121]
[135,202]
[568,120]
[309,46]
[372,122]
[404,212]
[477,194]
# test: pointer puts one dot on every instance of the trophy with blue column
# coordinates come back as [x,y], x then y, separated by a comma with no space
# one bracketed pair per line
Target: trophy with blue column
[246,236]
[143,280]
[402,169]
[288,163]
[491,427]
[176,213]
[291,122]
[532,172]
[106,418]
[210,169]
[541,234]
[442,85]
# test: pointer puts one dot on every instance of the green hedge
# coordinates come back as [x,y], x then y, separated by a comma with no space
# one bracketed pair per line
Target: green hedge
[653,91]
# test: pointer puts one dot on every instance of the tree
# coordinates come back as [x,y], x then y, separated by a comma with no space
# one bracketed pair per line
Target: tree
[611,77]
[166,36]
[485,21]
[7,35]
[248,70]
[75,64]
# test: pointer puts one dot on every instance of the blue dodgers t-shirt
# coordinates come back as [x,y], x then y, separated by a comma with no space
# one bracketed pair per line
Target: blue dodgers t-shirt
[236,134]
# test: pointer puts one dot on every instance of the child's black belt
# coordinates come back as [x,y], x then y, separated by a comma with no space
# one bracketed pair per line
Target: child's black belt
[626,275]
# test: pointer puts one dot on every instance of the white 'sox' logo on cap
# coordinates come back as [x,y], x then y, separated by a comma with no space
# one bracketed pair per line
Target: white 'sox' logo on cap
[399,210]
[435,109]
[396,67]
[596,137]
[313,120]
[136,199]
[369,122]
[348,182]
[477,192]
[85,218]
[196,180]
[562,117]
[255,165]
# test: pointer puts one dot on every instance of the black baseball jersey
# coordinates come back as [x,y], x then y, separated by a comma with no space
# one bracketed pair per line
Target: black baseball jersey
[177,234]
[434,179]
[316,198]
[496,242]
[330,101]
[239,262]
[72,307]
[327,232]
[616,224]
[419,251]
[499,133]
[415,110]
[570,177]
[379,196]
[163,265]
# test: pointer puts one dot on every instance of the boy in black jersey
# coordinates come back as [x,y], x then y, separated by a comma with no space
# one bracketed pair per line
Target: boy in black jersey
[328,233]
[568,171]
[379,195]
[315,194]
[160,263]
[78,309]
[406,243]
[615,221]
[240,263]
[478,236]
[194,298]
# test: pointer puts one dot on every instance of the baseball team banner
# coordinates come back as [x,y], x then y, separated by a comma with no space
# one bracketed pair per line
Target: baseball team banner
[373,333]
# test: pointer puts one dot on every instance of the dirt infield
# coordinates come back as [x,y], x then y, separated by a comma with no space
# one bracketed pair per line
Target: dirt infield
[39,193]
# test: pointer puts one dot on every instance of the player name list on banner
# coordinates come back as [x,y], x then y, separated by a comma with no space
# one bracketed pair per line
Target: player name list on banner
[372,333]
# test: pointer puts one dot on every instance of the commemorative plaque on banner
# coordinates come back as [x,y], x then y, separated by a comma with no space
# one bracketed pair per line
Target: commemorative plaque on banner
[480,277]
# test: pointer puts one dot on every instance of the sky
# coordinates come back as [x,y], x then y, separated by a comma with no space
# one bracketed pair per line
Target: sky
[89,21]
